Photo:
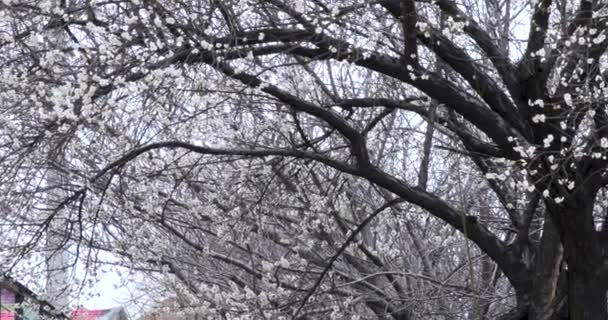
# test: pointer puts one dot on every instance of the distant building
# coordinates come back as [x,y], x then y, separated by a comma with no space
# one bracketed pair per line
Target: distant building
[17,302]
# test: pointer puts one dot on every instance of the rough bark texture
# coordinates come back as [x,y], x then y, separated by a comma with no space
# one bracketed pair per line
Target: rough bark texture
[586,290]
[546,274]
[586,296]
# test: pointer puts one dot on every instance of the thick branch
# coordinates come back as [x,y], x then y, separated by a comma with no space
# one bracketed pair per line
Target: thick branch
[536,40]
[481,236]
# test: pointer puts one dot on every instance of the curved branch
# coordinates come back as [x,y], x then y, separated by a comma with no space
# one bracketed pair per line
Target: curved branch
[477,78]
[481,236]
[225,152]
[499,58]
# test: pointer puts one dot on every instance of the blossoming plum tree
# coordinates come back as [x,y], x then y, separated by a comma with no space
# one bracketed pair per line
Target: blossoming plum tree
[312,159]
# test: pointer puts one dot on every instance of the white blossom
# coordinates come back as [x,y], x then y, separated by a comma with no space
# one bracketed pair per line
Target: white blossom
[539,118]
[604,143]
[568,99]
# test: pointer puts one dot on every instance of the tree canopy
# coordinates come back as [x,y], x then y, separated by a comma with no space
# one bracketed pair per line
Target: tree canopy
[268,159]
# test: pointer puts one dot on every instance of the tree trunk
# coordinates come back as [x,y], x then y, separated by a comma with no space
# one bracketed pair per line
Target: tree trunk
[586,296]
[546,274]
[583,256]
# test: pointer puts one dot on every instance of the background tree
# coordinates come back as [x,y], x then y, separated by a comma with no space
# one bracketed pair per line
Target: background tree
[309,158]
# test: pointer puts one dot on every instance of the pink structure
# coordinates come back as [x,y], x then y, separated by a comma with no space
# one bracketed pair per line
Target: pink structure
[7,304]
[106,314]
